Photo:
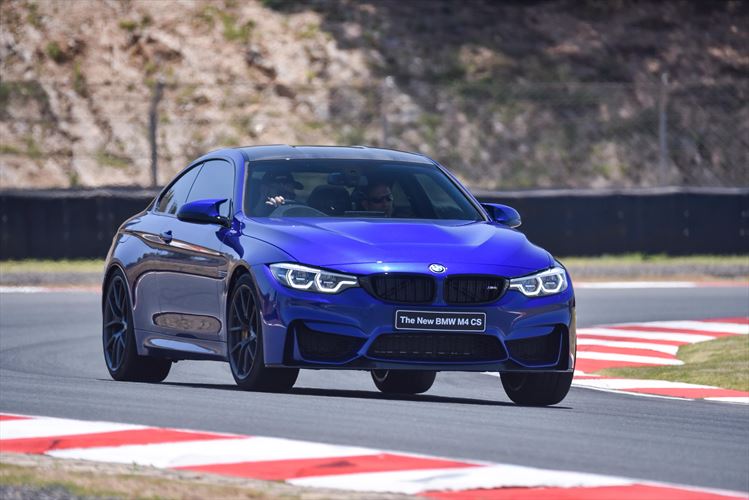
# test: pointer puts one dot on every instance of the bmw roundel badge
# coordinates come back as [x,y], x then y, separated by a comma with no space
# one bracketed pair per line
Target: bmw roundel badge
[437,268]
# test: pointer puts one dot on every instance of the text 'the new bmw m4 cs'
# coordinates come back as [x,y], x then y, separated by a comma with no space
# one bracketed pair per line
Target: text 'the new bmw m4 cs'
[277,258]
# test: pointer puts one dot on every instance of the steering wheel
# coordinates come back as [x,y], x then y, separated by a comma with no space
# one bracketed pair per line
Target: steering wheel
[295,209]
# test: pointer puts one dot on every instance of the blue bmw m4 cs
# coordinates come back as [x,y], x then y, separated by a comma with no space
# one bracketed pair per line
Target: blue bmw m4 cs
[278,258]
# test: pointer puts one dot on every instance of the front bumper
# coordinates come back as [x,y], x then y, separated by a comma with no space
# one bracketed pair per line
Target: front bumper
[354,330]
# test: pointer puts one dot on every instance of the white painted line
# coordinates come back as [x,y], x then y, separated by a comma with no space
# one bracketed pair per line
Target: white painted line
[497,476]
[690,338]
[44,427]
[700,326]
[214,451]
[636,284]
[611,356]
[625,383]
[578,374]
[667,349]
[23,289]
[729,399]
[638,394]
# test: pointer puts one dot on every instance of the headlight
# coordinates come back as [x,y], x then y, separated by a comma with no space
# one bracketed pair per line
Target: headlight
[308,278]
[547,282]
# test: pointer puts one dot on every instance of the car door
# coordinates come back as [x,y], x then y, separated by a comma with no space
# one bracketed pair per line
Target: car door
[150,229]
[194,262]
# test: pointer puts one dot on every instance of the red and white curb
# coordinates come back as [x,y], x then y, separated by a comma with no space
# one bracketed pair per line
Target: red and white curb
[651,344]
[309,464]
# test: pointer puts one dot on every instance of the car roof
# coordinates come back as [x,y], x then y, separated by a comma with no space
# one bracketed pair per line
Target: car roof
[284,151]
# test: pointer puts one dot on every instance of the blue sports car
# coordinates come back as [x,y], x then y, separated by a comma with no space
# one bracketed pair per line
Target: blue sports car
[278,258]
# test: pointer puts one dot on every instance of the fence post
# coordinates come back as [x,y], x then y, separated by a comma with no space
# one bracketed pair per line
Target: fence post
[387,84]
[153,120]
[663,159]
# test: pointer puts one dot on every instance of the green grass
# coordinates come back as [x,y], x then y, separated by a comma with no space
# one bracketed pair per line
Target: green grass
[607,260]
[79,81]
[120,483]
[640,258]
[9,150]
[722,363]
[128,25]
[107,159]
[55,52]
[47,266]
[13,475]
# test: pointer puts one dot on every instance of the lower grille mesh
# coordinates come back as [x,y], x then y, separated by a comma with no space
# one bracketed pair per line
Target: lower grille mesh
[321,346]
[540,350]
[437,347]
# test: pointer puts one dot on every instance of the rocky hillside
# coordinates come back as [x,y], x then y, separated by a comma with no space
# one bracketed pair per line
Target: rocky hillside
[507,94]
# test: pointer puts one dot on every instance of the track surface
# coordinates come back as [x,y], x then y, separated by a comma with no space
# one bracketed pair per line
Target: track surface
[51,364]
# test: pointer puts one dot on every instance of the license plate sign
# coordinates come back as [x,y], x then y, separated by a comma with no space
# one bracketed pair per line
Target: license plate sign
[440,321]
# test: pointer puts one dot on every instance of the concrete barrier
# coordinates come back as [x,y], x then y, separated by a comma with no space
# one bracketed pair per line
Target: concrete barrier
[56,224]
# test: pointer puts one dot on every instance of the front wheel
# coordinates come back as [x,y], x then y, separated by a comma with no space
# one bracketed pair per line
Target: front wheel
[536,389]
[403,381]
[118,336]
[245,344]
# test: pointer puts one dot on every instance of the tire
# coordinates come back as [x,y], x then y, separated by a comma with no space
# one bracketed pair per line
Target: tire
[536,389]
[244,342]
[118,338]
[403,381]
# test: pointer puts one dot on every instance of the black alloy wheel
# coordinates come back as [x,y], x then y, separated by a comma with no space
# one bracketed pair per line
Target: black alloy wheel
[118,338]
[244,325]
[245,344]
[536,389]
[403,381]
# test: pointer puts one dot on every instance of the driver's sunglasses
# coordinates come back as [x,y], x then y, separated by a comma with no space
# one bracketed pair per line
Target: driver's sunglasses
[382,199]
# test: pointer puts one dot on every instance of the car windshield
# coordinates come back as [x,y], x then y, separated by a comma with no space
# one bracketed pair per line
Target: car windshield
[354,189]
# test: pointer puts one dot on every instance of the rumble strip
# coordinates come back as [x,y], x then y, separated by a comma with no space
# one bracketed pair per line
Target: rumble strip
[309,464]
[650,344]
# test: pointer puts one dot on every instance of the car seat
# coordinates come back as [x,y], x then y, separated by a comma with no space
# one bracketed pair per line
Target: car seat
[331,200]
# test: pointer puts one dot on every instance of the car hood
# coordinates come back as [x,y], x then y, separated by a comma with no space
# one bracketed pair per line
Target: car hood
[346,244]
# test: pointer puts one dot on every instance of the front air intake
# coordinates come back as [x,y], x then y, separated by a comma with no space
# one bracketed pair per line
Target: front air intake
[474,289]
[401,288]
[437,347]
[541,350]
[323,346]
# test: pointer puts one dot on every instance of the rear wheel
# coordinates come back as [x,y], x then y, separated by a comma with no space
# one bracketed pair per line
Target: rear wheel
[403,381]
[536,389]
[118,336]
[245,344]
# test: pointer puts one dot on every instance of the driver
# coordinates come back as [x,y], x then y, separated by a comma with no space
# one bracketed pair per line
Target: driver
[378,197]
[276,188]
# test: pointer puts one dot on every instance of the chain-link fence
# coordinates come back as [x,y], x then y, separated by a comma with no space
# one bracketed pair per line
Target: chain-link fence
[493,135]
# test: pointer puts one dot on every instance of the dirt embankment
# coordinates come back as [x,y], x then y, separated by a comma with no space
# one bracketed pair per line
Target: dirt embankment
[508,94]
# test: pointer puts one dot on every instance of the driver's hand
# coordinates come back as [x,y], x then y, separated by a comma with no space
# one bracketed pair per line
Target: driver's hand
[275,201]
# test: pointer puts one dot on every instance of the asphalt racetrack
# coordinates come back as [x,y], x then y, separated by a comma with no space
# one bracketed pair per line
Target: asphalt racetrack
[51,364]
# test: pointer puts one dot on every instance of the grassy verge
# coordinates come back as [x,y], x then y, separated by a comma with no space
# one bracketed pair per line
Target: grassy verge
[629,267]
[51,266]
[640,258]
[40,476]
[722,363]
[625,260]
[36,481]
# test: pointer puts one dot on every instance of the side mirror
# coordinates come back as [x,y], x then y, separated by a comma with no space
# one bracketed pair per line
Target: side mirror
[203,212]
[503,214]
